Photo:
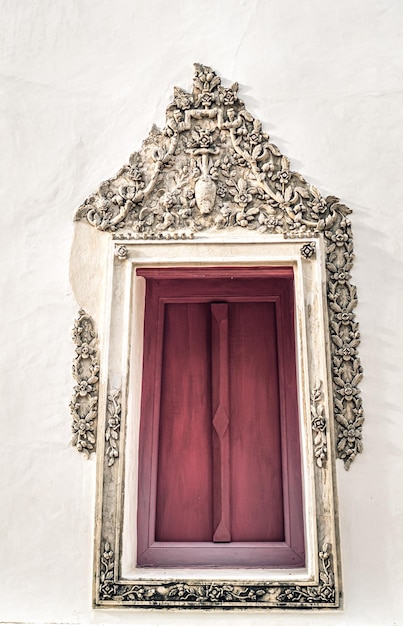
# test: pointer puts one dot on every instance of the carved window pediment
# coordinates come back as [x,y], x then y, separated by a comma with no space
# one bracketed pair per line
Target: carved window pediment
[210,189]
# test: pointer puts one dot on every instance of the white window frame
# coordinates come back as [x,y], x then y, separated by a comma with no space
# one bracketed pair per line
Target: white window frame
[118,581]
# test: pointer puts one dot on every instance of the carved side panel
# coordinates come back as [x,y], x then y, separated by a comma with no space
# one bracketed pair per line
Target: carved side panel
[84,403]
[112,432]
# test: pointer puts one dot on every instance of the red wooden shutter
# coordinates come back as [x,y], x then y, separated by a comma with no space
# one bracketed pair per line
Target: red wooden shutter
[219,465]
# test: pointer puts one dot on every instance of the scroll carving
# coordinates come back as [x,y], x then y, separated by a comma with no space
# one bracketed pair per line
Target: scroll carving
[84,403]
[212,167]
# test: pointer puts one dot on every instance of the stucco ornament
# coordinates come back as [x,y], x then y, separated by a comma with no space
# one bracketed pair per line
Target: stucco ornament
[84,403]
[319,426]
[212,167]
[112,431]
[213,594]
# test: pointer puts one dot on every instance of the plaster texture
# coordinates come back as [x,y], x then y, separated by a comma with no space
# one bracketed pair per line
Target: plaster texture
[81,83]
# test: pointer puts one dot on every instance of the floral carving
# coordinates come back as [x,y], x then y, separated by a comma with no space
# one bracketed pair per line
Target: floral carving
[121,252]
[324,592]
[107,586]
[113,426]
[212,147]
[84,403]
[308,250]
[345,337]
[201,594]
[213,167]
[319,426]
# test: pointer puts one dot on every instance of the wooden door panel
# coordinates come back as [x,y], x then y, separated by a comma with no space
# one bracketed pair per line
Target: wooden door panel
[256,478]
[219,459]
[184,484]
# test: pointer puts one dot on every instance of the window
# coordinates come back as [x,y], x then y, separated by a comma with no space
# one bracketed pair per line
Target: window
[219,458]
[215,488]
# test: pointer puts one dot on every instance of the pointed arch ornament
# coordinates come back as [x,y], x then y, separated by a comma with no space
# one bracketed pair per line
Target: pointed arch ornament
[213,175]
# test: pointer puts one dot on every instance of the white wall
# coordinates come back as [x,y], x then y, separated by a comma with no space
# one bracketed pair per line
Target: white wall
[81,83]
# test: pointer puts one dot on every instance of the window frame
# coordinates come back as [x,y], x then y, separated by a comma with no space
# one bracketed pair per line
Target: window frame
[117,581]
[167,286]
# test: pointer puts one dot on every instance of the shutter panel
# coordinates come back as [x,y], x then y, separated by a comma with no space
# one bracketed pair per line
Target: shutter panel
[219,460]
[184,484]
[256,480]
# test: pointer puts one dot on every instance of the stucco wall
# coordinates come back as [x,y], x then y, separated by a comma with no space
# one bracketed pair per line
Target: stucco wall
[81,83]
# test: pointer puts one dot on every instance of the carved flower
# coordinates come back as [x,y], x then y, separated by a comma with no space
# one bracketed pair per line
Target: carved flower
[108,591]
[243,195]
[255,138]
[85,350]
[190,194]
[308,250]
[243,198]
[283,176]
[345,316]
[205,99]
[341,277]
[272,222]
[319,206]
[228,96]
[346,349]
[205,139]
[83,388]
[82,426]
[114,422]
[182,99]
[347,392]
[339,238]
[319,423]
[217,593]
[288,595]
[121,252]
[350,434]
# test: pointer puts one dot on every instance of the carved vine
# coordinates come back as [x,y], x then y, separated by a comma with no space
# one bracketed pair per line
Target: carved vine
[213,167]
[84,403]
[202,594]
[324,592]
[319,427]
[113,426]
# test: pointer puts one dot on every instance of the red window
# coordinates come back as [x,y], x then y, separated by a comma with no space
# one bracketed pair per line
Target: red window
[219,458]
